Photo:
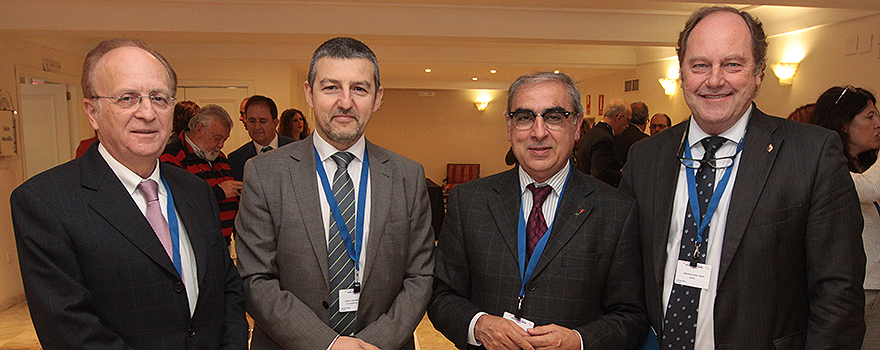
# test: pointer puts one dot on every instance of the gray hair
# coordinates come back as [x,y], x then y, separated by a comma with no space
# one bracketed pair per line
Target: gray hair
[209,113]
[540,77]
[615,107]
[343,47]
[104,47]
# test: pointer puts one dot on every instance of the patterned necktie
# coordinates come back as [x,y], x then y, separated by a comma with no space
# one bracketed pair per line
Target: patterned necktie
[680,323]
[266,149]
[150,190]
[341,266]
[536,226]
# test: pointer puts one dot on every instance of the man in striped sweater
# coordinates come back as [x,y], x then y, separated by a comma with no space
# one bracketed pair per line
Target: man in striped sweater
[197,150]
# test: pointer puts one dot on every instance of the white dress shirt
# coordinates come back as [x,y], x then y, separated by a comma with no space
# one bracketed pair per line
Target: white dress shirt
[273,144]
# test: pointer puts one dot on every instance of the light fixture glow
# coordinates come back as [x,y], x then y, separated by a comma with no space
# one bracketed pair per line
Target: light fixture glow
[481,106]
[427,70]
[669,85]
[474,78]
[493,71]
[556,72]
[482,101]
[785,72]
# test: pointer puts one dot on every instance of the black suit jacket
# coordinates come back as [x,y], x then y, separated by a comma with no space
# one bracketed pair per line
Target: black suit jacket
[597,155]
[792,262]
[247,151]
[626,139]
[97,277]
[589,277]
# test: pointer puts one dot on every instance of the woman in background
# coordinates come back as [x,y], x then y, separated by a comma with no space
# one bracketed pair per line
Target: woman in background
[293,124]
[183,112]
[852,113]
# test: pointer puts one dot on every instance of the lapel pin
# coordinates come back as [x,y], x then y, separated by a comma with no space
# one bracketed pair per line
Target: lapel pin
[579,213]
[770,148]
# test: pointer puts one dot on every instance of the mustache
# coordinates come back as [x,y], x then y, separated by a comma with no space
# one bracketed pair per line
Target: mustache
[349,111]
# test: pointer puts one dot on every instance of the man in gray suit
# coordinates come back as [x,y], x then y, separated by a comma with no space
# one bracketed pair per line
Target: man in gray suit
[542,255]
[347,267]
[775,260]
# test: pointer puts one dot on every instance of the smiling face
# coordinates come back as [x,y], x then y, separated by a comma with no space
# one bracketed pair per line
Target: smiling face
[718,72]
[135,136]
[543,152]
[864,131]
[343,99]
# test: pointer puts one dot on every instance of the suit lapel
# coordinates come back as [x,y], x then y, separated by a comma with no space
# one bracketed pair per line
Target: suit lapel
[305,187]
[754,167]
[668,168]
[504,205]
[187,212]
[380,202]
[573,211]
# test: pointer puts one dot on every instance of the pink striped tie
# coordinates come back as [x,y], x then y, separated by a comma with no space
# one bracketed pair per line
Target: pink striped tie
[150,190]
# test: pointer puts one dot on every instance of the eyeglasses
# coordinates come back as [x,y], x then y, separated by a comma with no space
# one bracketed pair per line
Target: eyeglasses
[524,119]
[717,163]
[130,99]
[854,90]
[659,126]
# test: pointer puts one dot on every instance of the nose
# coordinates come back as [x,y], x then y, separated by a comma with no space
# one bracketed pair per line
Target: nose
[344,102]
[145,109]
[539,129]
[716,77]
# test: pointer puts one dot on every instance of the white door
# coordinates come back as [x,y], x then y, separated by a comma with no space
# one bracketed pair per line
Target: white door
[227,97]
[45,126]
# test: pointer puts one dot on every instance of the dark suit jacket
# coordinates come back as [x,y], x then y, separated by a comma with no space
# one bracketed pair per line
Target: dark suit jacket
[626,139]
[97,277]
[597,155]
[792,263]
[282,251]
[589,277]
[247,151]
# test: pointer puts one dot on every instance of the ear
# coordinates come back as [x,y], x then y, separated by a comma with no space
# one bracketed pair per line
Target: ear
[577,127]
[92,111]
[275,123]
[308,90]
[378,102]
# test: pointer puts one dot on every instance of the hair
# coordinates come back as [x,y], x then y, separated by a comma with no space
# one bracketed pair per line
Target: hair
[668,121]
[284,128]
[615,107]
[835,110]
[183,112]
[541,77]
[95,55]
[803,113]
[346,48]
[639,113]
[260,99]
[209,113]
[759,39]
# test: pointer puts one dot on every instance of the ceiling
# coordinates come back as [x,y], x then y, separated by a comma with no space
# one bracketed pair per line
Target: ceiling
[457,39]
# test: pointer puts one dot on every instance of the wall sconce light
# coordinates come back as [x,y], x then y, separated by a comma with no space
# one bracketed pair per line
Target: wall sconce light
[784,71]
[668,85]
[481,106]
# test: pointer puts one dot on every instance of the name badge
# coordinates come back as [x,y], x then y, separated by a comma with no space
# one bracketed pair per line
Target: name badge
[697,277]
[348,300]
[521,322]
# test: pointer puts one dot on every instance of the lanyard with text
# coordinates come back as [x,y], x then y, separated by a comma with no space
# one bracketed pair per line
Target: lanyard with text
[525,271]
[175,230]
[353,247]
[693,199]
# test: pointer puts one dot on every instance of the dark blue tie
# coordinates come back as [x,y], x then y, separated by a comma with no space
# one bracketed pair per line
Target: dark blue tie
[341,266]
[680,323]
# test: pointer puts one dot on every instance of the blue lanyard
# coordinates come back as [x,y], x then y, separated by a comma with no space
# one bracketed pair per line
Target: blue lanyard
[354,250]
[525,272]
[175,230]
[694,200]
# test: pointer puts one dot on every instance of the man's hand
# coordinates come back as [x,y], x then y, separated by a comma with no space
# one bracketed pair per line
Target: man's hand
[347,343]
[554,337]
[498,333]
[232,188]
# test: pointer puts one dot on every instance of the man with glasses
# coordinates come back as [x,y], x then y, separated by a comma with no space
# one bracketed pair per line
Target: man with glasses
[659,122]
[598,155]
[261,121]
[750,224]
[118,250]
[542,255]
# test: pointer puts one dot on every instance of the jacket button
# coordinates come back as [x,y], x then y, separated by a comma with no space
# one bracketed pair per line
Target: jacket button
[325,304]
[178,287]
[191,332]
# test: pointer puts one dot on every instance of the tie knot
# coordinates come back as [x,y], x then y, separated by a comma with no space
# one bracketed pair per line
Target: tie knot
[539,194]
[266,149]
[150,189]
[711,144]
[342,159]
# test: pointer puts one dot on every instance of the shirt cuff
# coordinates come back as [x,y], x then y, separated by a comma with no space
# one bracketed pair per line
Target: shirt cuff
[580,338]
[337,337]
[472,340]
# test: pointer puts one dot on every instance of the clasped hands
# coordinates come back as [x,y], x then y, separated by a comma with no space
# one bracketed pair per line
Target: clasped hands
[496,333]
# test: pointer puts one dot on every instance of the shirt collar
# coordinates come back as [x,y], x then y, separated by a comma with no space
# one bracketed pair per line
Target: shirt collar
[128,178]
[198,151]
[273,144]
[735,133]
[556,181]
[325,149]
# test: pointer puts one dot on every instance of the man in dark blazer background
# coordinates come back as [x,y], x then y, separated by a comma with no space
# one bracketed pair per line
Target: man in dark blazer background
[286,229]
[96,274]
[781,263]
[585,289]
[261,122]
[598,154]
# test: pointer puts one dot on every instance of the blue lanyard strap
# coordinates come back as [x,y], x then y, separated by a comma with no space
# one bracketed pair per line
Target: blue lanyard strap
[352,247]
[525,272]
[693,199]
[175,230]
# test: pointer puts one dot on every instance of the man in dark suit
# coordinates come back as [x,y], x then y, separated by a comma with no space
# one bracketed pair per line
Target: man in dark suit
[261,121]
[578,249]
[598,155]
[341,267]
[634,132]
[101,265]
[781,264]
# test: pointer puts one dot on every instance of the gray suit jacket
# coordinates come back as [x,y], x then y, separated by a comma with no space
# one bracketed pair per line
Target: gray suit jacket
[282,251]
[589,277]
[792,263]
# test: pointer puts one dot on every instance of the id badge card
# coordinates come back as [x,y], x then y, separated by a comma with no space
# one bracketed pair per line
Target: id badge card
[521,322]
[697,277]
[348,300]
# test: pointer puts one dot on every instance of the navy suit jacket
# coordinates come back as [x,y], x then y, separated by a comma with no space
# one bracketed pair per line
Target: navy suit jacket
[247,151]
[97,277]
[792,263]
